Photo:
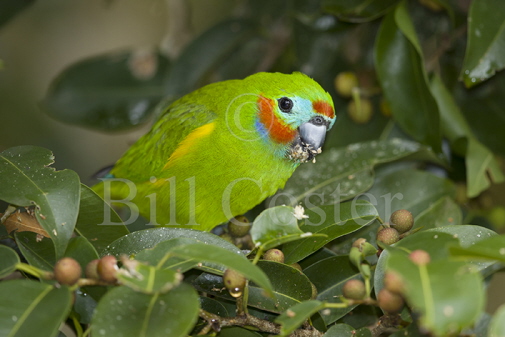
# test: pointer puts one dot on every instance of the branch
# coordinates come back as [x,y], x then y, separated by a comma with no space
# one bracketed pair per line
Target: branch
[215,322]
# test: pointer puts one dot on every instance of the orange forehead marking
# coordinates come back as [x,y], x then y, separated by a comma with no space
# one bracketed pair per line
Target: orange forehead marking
[323,108]
[278,131]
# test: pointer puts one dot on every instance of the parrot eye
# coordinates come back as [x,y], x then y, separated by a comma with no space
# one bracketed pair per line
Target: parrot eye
[285,104]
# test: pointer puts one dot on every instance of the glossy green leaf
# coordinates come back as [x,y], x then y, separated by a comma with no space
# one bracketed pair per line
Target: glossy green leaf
[149,279]
[215,307]
[27,180]
[341,174]
[481,107]
[91,223]
[38,251]
[329,276]
[276,226]
[84,306]
[321,254]
[8,260]
[123,311]
[439,243]
[467,235]
[11,8]
[409,189]
[333,221]
[441,213]
[137,241]
[157,256]
[482,167]
[448,295]
[497,324]
[363,332]
[340,330]
[492,248]
[289,287]
[358,11]
[399,65]
[82,251]
[237,331]
[486,41]
[30,308]
[112,91]
[214,254]
[294,317]
[190,68]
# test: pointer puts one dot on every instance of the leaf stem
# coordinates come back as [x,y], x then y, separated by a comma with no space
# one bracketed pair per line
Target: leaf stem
[259,253]
[34,271]
[77,325]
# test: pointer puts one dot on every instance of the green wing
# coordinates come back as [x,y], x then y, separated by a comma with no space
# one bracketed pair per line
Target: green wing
[147,157]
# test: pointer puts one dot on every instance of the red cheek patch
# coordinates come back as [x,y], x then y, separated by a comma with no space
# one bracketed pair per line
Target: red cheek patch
[278,131]
[323,108]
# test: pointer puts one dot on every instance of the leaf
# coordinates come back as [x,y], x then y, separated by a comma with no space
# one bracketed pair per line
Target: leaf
[289,285]
[497,324]
[333,221]
[441,213]
[467,235]
[275,226]
[439,243]
[210,253]
[358,11]
[31,308]
[158,255]
[23,222]
[329,276]
[112,91]
[295,316]
[492,248]
[11,8]
[8,261]
[189,69]
[215,307]
[448,295]
[123,311]
[409,189]
[135,242]
[84,306]
[341,174]
[100,228]
[481,165]
[149,279]
[27,180]
[138,241]
[38,251]
[321,254]
[340,330]
[237,331]
[486,41]
[399,65]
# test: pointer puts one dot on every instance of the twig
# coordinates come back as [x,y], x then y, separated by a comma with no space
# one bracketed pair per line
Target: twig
[215,322]
[387,323]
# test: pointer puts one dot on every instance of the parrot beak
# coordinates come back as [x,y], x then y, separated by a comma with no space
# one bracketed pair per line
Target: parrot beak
[313,133]
[310,140]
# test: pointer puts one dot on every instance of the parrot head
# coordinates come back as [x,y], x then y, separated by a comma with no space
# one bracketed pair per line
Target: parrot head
[294,114]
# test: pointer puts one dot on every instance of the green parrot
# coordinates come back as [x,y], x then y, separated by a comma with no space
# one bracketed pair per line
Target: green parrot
[219,151]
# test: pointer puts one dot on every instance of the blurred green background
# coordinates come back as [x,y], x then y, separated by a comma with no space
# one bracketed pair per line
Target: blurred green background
[48,36]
